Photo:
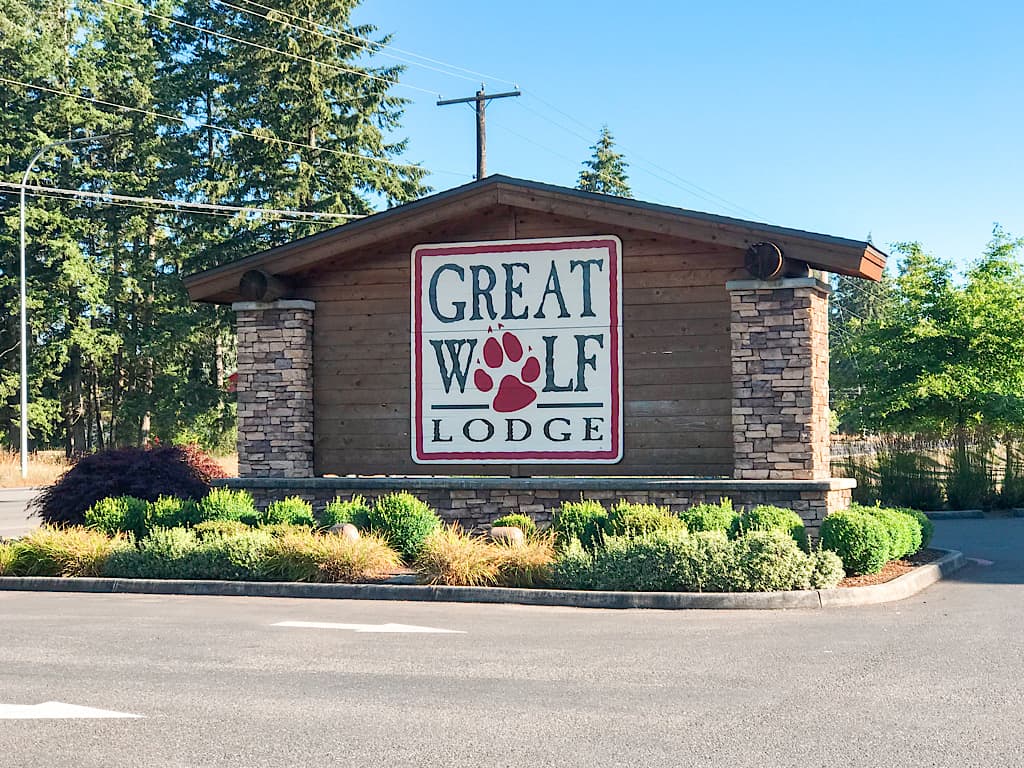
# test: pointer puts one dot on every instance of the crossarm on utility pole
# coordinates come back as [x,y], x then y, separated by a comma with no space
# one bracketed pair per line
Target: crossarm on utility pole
[480,100]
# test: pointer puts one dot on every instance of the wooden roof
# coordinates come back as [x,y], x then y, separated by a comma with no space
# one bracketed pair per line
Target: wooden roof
[832,254]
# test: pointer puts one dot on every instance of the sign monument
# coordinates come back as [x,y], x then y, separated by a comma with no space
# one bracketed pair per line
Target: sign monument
[517,351]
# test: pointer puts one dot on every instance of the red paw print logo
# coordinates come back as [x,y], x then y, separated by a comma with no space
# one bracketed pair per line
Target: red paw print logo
[514,391]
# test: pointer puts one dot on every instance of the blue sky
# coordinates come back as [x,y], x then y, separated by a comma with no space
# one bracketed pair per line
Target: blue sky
[900,119]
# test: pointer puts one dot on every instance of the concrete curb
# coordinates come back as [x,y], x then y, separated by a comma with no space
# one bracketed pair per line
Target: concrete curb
[897,589]
[956,514]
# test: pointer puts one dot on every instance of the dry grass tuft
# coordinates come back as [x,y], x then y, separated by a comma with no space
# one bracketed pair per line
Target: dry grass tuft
[529,564]
[8,557]
[44,467]
[451,557]
[301,555]
[76,551]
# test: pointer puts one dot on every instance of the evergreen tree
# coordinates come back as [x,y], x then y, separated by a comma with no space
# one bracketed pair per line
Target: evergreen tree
[605,171]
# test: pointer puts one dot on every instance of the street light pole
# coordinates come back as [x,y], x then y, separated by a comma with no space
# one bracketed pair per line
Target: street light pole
[22,296]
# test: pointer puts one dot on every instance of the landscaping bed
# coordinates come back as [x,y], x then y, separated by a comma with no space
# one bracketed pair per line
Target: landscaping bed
[219,535]
[893,569]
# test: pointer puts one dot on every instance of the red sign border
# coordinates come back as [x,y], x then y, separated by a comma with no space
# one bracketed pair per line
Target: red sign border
[614,247]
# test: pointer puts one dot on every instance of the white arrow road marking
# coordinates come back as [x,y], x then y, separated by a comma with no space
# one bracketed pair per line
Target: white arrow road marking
[55,710]
[408,628]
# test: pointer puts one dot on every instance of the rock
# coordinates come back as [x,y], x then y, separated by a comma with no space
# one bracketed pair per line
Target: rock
[345,530]
[508,534]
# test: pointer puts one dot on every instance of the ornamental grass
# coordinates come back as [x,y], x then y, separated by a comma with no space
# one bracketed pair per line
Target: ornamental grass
[452,558]
[76,551]
[306,556]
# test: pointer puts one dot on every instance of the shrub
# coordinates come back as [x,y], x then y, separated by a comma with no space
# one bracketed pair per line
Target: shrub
[404,521]
[76,551]
[645,563]
[709,517]
[927,526]
[145,473]
[860,540]
[8,558]
[904,531]
[449,556]
[220,528]
[907,479]
[706,563]
[121,514]
[827,569]
[283,529]
[769,560]
[308,556]
[293,511]
[627,519]
[355,511]
[523,522]
[166,553]
[969,482]
[179,553]
[528,564]
[768,518]
[170,511]
[573,567]
[582,520]
[227,504]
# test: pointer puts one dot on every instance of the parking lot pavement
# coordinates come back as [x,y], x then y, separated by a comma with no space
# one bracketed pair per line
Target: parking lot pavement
[218,681]
[14,511]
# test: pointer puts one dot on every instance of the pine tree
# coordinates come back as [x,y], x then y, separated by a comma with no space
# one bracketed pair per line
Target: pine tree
[605,171]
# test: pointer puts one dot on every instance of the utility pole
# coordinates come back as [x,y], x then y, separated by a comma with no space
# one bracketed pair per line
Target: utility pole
[481,100]
[22,291]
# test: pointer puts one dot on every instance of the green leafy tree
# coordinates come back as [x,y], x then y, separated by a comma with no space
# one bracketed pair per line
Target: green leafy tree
[941,356]
[605,171]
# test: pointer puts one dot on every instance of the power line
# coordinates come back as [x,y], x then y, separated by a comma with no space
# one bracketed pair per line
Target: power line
[267,48]
[690,187]
[368,46]
[221,214]
[236,131]
[379,47]
[180,204]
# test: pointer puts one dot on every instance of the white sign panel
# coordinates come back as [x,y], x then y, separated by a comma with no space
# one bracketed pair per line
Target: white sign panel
[517,351]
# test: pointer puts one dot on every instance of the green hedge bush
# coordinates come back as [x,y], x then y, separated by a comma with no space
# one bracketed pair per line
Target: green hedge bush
[582,520]
[860,539]
[631,519]
[292,510]
[827,569]
[523,522]
[119,514]
[765,517]
[709,517]
[354,511]
[170,511]
[904,531]
[708,561]
[769,560]
[228,504]
[404,521]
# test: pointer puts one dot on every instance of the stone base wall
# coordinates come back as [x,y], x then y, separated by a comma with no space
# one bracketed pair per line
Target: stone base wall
[475,502]
[275,388]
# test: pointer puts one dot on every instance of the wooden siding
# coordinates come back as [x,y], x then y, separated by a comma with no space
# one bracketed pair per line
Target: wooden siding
[677,390]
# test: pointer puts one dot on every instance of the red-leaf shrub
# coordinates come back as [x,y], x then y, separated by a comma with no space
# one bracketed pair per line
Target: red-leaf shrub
[145,473]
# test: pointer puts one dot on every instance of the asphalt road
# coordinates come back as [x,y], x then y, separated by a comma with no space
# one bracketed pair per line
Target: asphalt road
[934,680]
[14,520]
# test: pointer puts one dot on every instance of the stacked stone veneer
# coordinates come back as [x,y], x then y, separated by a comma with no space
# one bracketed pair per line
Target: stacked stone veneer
[780,413]
[474,502]
[275,388]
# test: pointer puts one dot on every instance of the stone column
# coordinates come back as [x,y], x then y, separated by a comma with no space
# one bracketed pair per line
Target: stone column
[275,388]
[780,416]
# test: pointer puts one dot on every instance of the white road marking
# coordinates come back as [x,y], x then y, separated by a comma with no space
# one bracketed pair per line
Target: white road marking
[55,710]
[407,628]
